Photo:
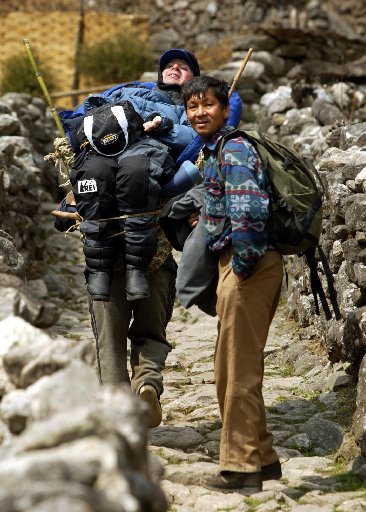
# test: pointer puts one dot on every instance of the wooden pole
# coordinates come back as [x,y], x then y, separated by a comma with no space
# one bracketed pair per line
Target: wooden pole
[44,88]
[240,71]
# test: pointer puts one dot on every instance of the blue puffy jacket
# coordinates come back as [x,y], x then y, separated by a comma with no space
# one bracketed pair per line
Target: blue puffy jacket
[147,100]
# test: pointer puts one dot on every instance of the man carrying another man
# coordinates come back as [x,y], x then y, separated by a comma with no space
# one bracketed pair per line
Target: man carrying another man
[144,321]
[111,320]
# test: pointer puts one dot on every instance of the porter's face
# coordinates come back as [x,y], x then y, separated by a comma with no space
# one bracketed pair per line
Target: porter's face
[206,114]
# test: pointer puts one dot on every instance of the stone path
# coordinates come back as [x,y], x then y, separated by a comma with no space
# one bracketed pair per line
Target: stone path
[309,407]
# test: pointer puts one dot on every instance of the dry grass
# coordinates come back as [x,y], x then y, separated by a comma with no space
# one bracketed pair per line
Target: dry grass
[316,347]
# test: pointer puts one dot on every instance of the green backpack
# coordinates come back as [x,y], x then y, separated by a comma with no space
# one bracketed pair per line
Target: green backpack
[295,207]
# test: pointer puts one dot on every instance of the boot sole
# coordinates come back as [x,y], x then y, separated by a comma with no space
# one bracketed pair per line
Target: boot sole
[150,396]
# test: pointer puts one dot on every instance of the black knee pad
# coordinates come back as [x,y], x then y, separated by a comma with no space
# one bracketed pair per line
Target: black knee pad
[100,254]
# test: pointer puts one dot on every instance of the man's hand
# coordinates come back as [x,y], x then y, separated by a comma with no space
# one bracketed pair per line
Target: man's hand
[153,124]
[239,279]
[193,219]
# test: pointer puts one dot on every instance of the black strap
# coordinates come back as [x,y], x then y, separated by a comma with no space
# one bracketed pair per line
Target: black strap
[330,281]
[316,285]
[285,272]
[287,163]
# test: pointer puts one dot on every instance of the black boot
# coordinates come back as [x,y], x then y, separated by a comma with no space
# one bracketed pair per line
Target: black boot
[137,285]
[98,284]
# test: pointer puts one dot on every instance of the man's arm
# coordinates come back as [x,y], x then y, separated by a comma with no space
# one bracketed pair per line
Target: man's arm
[179,137]
[175,135]
[246,198]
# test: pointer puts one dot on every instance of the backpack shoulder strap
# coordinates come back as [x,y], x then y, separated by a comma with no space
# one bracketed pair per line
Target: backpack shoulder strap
[220,147]
[228,136]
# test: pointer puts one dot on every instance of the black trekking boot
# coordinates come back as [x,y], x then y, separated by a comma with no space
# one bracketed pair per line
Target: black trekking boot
[98,284]
[137,284]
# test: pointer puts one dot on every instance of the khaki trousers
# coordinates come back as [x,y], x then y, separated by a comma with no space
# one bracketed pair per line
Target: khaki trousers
[245,312]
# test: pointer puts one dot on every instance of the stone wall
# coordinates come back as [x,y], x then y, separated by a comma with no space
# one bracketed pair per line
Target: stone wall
[325,122]
[314,119]
[307,33]
[26,134]
[209,27]
[65,442]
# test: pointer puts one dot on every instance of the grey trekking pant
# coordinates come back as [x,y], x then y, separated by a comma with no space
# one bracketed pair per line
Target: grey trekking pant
[111,323]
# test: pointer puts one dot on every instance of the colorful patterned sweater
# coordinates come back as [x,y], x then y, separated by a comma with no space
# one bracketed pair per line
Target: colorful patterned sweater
[236,210]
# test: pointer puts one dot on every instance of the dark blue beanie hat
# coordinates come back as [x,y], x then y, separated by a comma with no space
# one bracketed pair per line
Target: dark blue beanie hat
[178,53]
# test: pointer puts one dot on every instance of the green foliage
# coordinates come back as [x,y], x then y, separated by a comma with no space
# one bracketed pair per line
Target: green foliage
[343,479]
[287,370]
[116,60]
[281,399]
[19,76]
[252,503]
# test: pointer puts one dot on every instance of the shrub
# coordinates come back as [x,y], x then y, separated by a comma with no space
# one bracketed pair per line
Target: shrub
[121,59]
[18,76]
